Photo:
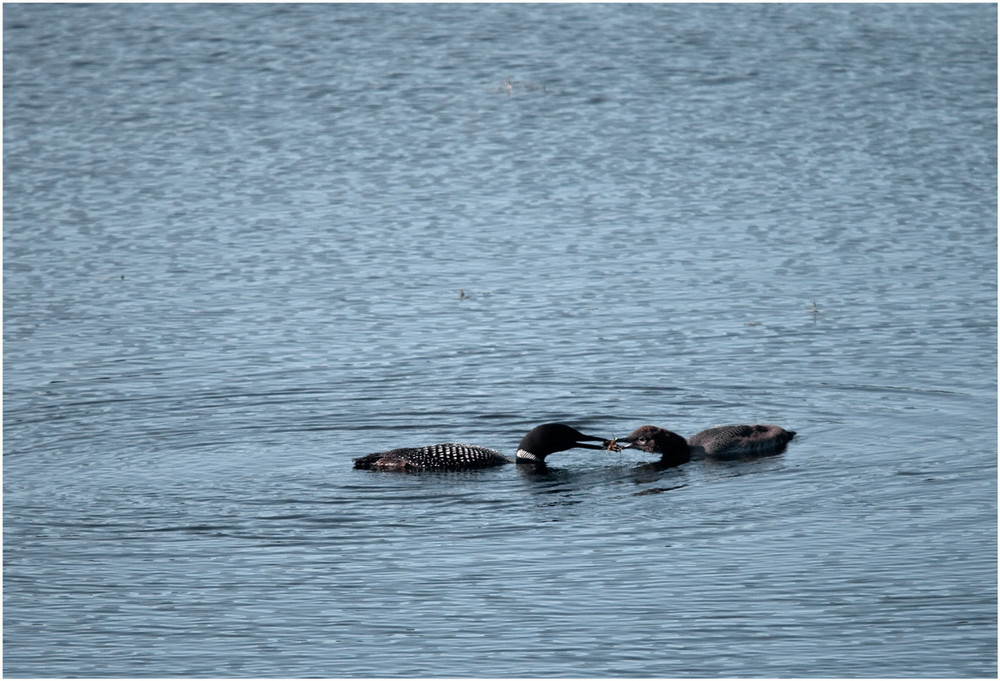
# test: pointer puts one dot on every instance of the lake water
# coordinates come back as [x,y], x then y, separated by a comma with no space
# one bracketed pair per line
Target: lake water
[246,244]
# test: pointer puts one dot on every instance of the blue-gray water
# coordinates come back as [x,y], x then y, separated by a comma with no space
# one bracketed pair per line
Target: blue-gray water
[234,243]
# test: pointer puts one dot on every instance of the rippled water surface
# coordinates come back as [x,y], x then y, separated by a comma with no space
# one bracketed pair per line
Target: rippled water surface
[244,244]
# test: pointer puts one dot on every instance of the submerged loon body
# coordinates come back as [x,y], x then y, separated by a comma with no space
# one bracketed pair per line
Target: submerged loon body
[720,442]
[735,441]
[535,446]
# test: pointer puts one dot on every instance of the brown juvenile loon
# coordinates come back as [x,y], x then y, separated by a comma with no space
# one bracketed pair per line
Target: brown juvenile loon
[719,442]
[535,446]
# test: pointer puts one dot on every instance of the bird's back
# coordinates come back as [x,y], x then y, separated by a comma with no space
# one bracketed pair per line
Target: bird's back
[448,456]
[741,440]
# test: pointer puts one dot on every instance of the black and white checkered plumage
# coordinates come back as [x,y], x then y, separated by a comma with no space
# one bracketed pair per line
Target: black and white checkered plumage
[535,446]
[449,456]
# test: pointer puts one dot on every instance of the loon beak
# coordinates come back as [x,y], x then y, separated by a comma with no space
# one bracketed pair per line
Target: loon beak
[582,439]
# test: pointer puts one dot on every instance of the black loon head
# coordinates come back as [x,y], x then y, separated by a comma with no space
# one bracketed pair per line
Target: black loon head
[671,447]
[550,438]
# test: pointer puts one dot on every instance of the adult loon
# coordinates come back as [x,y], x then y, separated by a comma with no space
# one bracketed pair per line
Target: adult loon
[720,442]
[535,446]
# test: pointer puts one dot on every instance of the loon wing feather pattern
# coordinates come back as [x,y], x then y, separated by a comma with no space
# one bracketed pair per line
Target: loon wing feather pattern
[448,456]
[741,440]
